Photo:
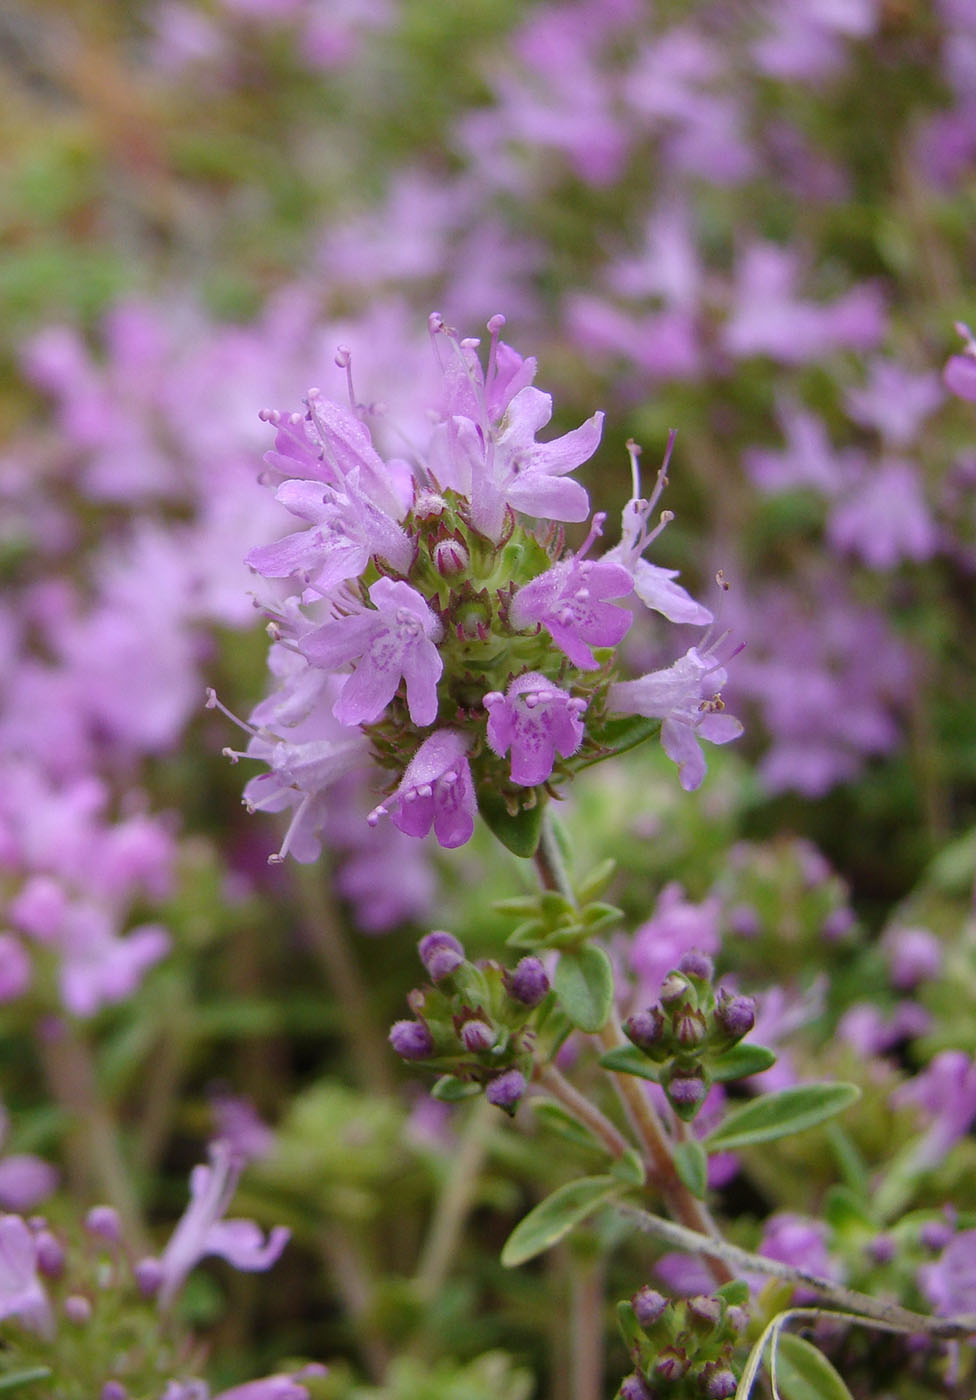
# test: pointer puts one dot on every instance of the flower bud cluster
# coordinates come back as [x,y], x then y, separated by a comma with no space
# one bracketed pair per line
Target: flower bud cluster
[437,625]
[682,1349]
[688,1029]
[475,1022]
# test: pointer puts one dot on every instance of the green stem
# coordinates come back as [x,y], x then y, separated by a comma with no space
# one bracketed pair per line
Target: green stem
[454,1202]
[372,1058]
[742,1261]
[73,1078]
[640,1111]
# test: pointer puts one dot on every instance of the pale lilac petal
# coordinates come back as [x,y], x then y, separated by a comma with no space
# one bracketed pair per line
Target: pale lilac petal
[681,746]
[656,589]
[243,1244]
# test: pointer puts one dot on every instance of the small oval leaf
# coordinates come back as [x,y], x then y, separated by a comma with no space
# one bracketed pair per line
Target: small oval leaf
[583,983]
[740,1062]
[450,1089]
[777,1115]
[627,1059]
[555,1216]
[521,833]
[630,1168]
[15,1380]
[691,1164]
[804,1373]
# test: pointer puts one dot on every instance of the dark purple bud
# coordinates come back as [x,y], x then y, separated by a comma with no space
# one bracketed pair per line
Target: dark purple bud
[735,1015]
[149,1274]
[77,1309]
[441,954]
[105,1224]
[694,963]
[506,1091]
[720,1383]
[635,1387]
[684,1092]
[671,1364]
[690,1028]
[935,1235]
[837,924]
[477,1036]
[114,1390]
[646,1028]
[673,988]
[648,1305]
[704,1310]
[411,1040]
[527,982]
[50,1254]
[882,1249]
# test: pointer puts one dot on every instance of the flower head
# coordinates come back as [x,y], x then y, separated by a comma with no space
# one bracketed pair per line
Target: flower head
[536,720]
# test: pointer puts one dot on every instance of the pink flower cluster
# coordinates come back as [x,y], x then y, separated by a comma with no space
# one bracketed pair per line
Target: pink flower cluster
[435,622]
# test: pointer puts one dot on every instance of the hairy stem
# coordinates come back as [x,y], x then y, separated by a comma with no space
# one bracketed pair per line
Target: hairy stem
[742,1261]
[582,1110]
[641,1113]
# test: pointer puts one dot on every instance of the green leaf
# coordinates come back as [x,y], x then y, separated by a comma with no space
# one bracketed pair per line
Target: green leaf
[804,1373]
[15,1379]
[596,881]
[584,986]
[555,1216]
[777,1115]
[735,1293]
[449,1089]
[691,1164]
[740,1062]
[617,736]
[521,833]
[627,1059]
[633,1333]
[629,1168]
[559,1120]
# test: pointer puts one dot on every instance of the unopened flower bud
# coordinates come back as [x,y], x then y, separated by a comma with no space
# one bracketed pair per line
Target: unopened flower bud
[648,1305]
[411,1040]
[694,963]
[686,1091]
[935,1234]
[882,1249]
[149,1274]
[704,1311]
[50,1254]
[737,1318]
[720,1383]
[477,1036]
[673,988]
[441,954]
[635,1387]
[428,505]
[506,1090]
[690,1028]
[735,1015]
[450,557]
[114,1390]
[671,1364]
[77,1309]
[527,982]
[104,1222]
[646,1028]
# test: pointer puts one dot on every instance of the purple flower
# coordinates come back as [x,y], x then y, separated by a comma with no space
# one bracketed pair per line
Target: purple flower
[22,1294]
[796,1240]
[536,720]
[203,1230]
[686,697]
[436,790]
[654,586]
[945,1095]
[569,601]
[395,641]
[527,982]
[950,1283]
[506,1090]
[441,954]
[675,927]
[884,518]
[914,955]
